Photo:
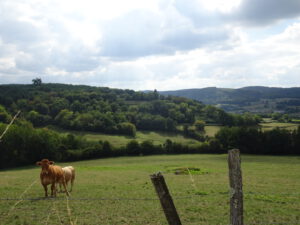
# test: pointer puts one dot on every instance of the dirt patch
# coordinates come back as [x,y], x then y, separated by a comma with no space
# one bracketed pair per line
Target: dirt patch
[188,171]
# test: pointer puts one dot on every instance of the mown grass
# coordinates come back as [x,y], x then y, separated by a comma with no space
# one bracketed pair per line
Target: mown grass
[211,130]
[272,125]
[158,138]
[119,191]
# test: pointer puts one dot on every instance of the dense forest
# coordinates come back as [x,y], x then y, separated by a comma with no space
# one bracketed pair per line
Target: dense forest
[123,112]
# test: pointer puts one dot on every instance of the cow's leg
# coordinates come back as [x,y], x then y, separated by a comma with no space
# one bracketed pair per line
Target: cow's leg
[53,190]
[67,183]
[46,190]
[65,187]
[72,182]
[57,190]
[60,190]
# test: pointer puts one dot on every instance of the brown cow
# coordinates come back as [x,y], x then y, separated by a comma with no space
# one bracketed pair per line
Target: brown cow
[51,174]
[69,172]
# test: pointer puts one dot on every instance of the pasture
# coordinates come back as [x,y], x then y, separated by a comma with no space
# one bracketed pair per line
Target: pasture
[157,138]
[119,191]
[272,125]
[211,130]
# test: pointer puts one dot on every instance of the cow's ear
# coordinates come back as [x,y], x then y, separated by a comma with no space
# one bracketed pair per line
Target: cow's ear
[51,162]
[39,163]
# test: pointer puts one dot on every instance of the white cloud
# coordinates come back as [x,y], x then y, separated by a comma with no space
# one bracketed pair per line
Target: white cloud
[159,44]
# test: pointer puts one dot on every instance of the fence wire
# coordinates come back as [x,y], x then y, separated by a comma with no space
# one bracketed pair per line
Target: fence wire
[53,211]
[201,194]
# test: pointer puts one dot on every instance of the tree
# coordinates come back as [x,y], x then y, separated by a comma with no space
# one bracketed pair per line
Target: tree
[127,129]
[133,148]
[37,81]
[4,116]
[200,125]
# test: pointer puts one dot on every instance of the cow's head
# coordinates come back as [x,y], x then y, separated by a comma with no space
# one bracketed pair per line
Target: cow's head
[45,163]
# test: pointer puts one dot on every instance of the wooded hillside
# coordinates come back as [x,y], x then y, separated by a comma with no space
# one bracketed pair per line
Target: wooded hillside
[109,110]
[254,99]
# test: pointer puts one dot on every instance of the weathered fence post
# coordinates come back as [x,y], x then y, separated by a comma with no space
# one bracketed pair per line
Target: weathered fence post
[165,199]
[236,187]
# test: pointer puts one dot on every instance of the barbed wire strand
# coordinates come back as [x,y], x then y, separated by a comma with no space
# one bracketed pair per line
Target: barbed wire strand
[56,212]
[48,217]
[69,211]
[20,199]
[8,126]
[139,199]
[192,179]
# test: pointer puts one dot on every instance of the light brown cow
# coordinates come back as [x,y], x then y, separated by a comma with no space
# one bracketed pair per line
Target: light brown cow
[69,172]
[51,174]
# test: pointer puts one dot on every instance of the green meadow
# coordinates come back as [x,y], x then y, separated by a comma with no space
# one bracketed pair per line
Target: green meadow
[272,125]
[157,138]
[211,130]
[119,191]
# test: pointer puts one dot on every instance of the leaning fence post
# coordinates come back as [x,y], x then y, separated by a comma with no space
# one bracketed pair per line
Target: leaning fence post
[165,199]
[236,187]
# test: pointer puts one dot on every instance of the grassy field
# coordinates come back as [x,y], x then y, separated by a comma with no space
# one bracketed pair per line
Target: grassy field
[272,125]
[160,137]
[211,130]
[119,191]
[119,140]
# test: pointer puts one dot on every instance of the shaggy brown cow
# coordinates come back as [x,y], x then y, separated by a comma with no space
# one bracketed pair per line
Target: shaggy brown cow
[51,174]
[69,176]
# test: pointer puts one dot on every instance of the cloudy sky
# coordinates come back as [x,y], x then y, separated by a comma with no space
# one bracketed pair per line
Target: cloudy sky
[151,44]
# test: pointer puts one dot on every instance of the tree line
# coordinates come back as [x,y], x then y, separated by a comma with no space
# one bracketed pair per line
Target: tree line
[23,144]
[256,141]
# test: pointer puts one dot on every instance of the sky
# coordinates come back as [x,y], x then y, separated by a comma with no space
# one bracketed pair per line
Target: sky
[147,45]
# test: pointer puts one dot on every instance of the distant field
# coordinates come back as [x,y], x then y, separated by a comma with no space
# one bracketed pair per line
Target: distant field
[160,137]
[119,191]
[210,131]
[119,140]
[272,125]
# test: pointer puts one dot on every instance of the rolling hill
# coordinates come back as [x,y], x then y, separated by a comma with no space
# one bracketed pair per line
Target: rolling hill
[256,99]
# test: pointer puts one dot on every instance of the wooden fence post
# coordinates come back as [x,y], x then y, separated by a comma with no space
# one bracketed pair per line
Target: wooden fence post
[165,199]
[236,187]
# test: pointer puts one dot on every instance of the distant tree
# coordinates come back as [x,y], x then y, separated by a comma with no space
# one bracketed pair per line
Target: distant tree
[127,129]
[133,148]
[4,116]
[37,81]
[168,145]
[155,94]
[200,125]
[147,147]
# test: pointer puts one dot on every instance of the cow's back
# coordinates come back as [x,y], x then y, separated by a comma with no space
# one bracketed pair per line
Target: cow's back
[69,172]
